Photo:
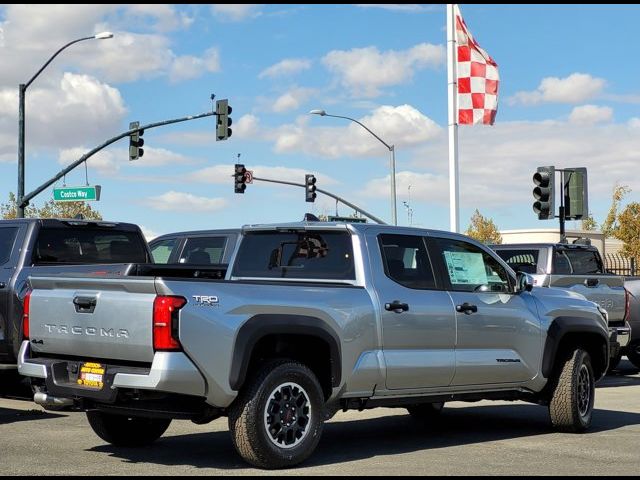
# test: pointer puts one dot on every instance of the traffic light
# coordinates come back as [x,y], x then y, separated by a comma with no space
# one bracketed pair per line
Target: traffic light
[310,188]
[544,193]
[135,142]
[223,110]
[575,194]
[240,178]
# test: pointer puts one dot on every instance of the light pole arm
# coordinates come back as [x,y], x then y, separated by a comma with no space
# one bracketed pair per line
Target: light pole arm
[363,126]
[26,85]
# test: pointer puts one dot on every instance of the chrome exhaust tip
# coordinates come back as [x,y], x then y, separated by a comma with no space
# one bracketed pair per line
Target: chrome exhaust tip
[52,403]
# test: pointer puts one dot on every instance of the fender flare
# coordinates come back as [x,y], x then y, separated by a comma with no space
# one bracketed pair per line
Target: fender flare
[262,325]
[560,328]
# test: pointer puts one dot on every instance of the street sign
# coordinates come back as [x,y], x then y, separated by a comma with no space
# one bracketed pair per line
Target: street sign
[77,194]
[248,175]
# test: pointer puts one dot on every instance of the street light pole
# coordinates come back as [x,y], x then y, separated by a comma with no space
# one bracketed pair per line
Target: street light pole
[392,150]
[21,114]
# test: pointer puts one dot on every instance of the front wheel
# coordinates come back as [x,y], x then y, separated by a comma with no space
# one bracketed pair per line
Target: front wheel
[571,407]
[123,431]
[277,420]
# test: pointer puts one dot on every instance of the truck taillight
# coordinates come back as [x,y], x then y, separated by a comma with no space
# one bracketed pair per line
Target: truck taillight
[25,315]
[165,322]
[627,305]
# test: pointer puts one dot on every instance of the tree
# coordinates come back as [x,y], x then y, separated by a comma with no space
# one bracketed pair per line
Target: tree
[611,224]
[50,209]
[483,229]
[628,230]
[589,224]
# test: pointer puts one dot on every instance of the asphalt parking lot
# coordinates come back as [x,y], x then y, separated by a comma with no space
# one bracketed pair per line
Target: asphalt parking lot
[485,438]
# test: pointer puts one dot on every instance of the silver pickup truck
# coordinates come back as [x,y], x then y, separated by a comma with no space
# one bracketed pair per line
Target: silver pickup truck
[580,269]
[308,319]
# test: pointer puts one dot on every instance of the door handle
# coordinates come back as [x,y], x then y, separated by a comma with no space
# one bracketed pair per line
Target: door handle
[85,304]
[466,308]
[396,306]
[592,282]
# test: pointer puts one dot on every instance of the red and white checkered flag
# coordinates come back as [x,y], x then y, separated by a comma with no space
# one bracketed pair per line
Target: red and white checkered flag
[477,78]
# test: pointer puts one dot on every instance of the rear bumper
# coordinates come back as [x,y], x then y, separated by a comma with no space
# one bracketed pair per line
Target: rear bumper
[619,338]
[170,372]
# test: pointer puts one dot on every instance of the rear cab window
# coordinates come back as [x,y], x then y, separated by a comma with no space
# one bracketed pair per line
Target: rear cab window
[88,245]
[309,255]
[406,261]
[578,262]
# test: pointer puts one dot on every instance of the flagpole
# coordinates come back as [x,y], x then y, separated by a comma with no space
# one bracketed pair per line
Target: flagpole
[454,195]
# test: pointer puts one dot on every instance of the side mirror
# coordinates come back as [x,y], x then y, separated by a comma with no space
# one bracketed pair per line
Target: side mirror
[525,282]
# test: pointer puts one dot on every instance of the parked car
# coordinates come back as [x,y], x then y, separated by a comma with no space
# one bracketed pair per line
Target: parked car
[47,247]
[580,269]
[204,247]
[307,319]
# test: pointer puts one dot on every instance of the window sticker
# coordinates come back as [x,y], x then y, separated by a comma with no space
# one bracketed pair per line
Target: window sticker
[466,268]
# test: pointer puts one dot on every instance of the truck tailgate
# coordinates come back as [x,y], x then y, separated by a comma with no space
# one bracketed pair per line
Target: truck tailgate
[91,318]
[606,290]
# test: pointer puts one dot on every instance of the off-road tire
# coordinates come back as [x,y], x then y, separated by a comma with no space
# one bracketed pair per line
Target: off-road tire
[571,406]
[633,354]
[249,417]
[426,412]
[123,431]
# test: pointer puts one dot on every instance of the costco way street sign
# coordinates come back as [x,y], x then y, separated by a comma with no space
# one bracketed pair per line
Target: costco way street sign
[77,194]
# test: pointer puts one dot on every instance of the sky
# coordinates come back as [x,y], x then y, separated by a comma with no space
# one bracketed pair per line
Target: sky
[569,97]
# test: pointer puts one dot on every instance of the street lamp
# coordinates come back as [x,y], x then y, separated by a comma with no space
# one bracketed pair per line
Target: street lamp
[22,90]
[394,216]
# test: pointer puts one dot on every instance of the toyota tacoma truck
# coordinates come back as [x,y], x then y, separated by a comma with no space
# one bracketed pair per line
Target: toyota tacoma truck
[307,319]
[48,246]
[578,268]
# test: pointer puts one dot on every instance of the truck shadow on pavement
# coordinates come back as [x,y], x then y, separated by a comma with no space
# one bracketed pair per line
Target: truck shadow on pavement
[395,433]
[10,415]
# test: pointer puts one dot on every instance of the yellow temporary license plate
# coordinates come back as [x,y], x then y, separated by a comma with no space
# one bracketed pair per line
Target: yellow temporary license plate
[91,375]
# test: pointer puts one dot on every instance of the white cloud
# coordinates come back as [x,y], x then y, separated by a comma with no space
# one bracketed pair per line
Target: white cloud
[286,67]
[188,67]
[148,233]
[425,187]
[590,115]
[366,70]
[292,100]
[236,12]
[185,202]
[79,108]
[576,88]
[402,126]
[109,162]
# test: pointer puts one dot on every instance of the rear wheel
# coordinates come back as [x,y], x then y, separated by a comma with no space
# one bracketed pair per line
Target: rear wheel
[126,431]
[571,406]
[633,354]
[277,420]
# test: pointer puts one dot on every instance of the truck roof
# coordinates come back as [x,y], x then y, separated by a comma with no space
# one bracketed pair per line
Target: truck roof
[544,245]
[71,222]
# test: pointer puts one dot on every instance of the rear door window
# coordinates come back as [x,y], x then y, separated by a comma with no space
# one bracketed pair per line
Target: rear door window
[406,261]
[521,260]
[203,250]
[7,239]
[81,245]
[312,255]
[161,251]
